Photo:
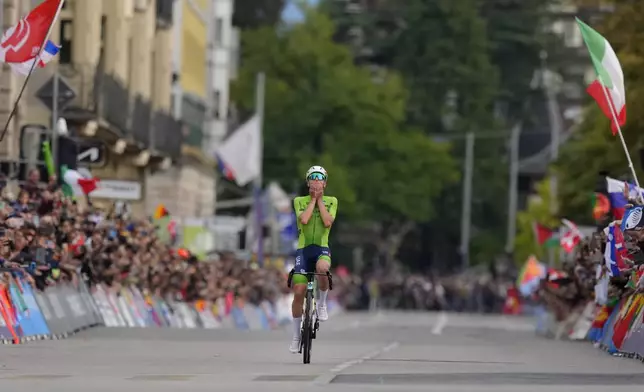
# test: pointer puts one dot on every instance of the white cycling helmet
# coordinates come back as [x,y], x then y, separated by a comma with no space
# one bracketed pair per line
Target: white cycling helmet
[316,169]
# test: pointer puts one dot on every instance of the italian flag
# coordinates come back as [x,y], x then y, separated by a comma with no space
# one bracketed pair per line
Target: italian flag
[608,90]
[76,184]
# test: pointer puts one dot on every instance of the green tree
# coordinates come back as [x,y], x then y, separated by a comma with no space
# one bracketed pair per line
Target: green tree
[442,54]
[594,149]
[252,14]
[517,38]
[323,109]
[439,47]
[369,34]
[537,211]
[442,51]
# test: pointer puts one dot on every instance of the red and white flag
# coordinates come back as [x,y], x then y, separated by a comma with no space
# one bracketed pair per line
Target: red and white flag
[571,237]
[22,42]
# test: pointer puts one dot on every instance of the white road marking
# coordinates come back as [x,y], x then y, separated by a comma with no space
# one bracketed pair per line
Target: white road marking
[440,324]
[327,377]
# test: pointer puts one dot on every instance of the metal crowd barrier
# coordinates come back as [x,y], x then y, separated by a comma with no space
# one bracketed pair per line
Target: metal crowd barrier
[617,329]
[27,314]
[63,310]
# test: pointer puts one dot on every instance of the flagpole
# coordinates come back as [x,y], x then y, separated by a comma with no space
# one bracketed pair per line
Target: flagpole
[621,136]
[257,188]
[31,70]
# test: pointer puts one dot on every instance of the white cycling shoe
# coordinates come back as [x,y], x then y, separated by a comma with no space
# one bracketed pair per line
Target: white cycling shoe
[323,315]
[295,345]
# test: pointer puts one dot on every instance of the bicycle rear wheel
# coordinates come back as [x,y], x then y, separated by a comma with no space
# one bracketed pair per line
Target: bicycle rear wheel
[307,333]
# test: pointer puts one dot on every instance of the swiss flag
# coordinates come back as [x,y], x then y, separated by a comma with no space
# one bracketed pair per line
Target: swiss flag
[23,41]
[571,238]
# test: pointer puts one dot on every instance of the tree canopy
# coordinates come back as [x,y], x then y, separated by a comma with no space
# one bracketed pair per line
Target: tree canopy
[252,14]
[537,211]
[468,66]
[323,109]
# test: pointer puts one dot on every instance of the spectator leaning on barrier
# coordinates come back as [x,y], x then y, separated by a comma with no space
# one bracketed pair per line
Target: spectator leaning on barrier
[614,255]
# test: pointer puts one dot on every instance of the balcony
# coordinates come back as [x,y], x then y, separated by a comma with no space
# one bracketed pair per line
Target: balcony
[141,121]
[194,136]
[193,116]
[103,97]
[98,95]
[164,13]
[167,134]
[114,102]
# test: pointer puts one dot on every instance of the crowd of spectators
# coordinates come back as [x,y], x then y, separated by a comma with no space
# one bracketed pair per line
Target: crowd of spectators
[586,278]
[476,291]
[49,238]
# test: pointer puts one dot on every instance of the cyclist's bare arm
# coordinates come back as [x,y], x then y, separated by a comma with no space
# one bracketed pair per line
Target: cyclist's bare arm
[327,218]
[306,215]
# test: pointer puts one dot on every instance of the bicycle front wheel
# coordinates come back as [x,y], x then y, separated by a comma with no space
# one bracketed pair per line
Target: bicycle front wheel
[307,333]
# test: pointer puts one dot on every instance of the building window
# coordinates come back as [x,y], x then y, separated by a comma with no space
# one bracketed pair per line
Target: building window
[66,34]
[103,27]
[216,105]
[219,32]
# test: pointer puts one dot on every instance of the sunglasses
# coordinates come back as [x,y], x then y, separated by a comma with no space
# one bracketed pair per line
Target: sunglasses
[317,176]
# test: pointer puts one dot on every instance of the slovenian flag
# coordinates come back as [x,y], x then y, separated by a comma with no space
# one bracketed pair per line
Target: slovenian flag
[615,250]
[225,170]
[49,52]
[618,201]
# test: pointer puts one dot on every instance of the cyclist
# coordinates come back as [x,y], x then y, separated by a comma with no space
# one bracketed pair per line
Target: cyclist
[315,216]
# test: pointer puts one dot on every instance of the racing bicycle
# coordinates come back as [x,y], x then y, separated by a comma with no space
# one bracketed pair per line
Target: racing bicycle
[310,322]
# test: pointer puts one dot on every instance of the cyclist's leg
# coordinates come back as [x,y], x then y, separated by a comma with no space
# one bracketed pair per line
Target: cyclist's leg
[299,291]
[322,266]
[299,283]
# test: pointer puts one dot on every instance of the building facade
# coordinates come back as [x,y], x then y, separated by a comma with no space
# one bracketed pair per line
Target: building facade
[144,80]
[204,44]
[113,80]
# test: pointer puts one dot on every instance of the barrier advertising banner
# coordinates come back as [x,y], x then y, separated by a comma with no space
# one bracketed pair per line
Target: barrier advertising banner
[27,314]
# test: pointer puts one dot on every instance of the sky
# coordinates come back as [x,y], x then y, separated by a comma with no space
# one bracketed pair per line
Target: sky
[291,13]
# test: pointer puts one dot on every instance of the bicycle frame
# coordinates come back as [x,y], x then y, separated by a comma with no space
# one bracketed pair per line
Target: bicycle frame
[309,327]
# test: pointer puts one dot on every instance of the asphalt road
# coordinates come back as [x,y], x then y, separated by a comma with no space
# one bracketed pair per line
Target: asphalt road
[354,352]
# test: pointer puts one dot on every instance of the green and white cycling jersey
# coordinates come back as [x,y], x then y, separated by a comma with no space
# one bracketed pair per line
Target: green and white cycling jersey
[314,232]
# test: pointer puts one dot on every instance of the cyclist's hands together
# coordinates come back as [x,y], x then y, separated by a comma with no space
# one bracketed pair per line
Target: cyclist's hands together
[315,191]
